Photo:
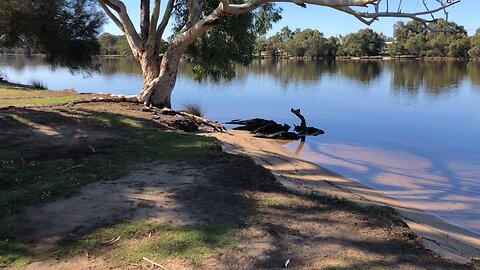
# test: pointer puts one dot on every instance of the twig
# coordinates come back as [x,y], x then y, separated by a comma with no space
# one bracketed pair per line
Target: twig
[154,263]
[74,167]
[112,241]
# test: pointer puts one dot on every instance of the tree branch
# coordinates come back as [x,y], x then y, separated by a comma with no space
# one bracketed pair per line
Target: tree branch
[363,16]
[164,22]
[144,19]
[152,35]
[194,13]
[133,38]
[111,15]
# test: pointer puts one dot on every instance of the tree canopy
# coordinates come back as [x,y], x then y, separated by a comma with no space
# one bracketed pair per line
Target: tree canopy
[414,38]
[362,43]
[65,31]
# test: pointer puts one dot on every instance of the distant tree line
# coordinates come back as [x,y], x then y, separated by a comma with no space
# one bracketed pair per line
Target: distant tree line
[450,40]
[412,39]
[118,45]
[114,45]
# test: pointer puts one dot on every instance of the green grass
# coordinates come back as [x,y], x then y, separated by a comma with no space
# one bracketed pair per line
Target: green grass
[42,180]
[193,243]
[38,101]
[19,95]
[265,201]
[13,252]
[110,120]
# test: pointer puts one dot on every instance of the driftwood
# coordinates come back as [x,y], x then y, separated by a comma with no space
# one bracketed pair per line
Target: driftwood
[272,130]
[303,129]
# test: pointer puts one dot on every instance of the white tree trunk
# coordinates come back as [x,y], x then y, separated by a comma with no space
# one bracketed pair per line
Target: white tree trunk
[157,90]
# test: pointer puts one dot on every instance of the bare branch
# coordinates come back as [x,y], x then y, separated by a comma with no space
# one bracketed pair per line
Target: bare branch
[364,16]
[166,17]
[152,32]
[144,19]
[128,28]
[111,15]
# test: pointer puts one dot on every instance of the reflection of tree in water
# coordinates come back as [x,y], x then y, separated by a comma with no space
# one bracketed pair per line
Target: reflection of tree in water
[362,71]
[435,77]
[20,62]
[473,70]
[112,65]
[293,70]
[408,76]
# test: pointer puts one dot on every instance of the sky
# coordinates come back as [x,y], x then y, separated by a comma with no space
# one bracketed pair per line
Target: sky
[332,22]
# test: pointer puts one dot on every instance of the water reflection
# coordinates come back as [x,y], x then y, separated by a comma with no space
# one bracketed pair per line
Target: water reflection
[449,190]
[407,76]
[436,77]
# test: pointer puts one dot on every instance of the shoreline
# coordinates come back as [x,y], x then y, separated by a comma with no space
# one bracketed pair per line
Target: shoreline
[437,234]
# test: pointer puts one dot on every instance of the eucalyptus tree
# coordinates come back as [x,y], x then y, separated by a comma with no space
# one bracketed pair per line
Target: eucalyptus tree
[220,33]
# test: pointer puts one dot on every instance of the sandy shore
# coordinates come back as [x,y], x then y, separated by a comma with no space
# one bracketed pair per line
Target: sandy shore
[295,173]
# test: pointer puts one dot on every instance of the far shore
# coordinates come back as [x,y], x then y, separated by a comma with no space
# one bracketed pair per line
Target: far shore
[265,57]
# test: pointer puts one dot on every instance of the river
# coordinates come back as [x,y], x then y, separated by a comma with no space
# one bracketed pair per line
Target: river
[408,128]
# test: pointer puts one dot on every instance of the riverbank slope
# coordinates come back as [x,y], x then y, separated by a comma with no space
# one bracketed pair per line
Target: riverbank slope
[296,174]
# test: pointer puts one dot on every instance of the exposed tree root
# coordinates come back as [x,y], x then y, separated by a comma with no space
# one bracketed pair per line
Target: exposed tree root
[192,123]
[195,119]
[106,98]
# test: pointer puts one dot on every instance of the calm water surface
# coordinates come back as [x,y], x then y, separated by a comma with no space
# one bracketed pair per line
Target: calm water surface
[410,129]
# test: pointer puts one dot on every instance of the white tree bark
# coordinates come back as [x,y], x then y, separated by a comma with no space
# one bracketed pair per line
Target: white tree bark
[159,76]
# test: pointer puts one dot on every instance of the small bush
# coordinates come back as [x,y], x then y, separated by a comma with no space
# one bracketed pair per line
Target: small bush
[37,84]
[195,109]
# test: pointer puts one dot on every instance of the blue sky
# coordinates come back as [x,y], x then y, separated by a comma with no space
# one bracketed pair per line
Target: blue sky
[332,22]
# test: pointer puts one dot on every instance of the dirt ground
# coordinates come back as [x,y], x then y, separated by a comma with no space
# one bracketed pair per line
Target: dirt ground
[274,225]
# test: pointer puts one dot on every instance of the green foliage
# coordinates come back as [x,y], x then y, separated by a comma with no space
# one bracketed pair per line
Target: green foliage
[264,17]
[300,43]
[65,30]
[365,42]
[114,45]
[37,84]
[474,52]
[307,43]
[194,108]
[230,41]
[415,39]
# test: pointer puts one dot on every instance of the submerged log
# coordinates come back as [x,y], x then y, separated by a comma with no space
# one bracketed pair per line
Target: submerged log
[272,130]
